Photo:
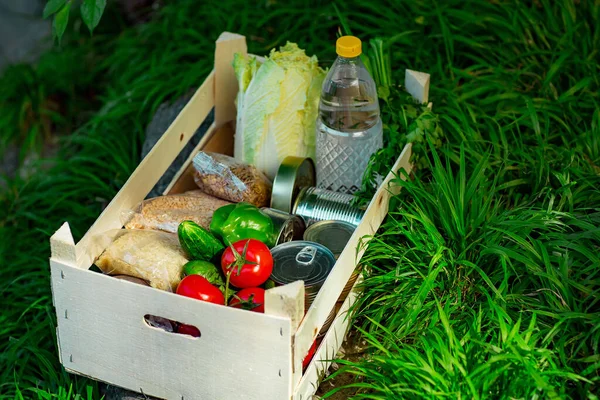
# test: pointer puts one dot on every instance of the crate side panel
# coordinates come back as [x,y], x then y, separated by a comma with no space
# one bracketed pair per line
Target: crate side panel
[149,171]
[102,332]
[350,257]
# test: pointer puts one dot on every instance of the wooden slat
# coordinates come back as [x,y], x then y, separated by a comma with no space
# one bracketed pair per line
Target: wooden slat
[288,301]
[152,167]
[345,265]
[62,245]
[327,350]
[226,85]
[102,334]
[417,84]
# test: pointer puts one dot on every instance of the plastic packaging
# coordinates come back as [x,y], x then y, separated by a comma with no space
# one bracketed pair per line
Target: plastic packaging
[349,128]
[224,177]
[153,256]
[165,213]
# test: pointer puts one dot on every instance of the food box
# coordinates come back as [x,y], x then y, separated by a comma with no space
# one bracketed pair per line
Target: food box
[102,332]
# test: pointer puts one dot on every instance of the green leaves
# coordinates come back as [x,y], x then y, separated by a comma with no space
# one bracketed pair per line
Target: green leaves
[52,7]
[404,121]
[91,12]
[61,19]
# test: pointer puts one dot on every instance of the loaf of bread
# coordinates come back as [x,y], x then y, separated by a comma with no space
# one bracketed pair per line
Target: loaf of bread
[165,213]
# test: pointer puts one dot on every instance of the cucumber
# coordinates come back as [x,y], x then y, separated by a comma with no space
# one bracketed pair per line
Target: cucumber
[198,242]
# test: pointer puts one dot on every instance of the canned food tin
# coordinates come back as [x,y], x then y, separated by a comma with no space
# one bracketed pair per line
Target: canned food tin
[314,205]
[288,227]
[301,260]
[332,234]
[293,174]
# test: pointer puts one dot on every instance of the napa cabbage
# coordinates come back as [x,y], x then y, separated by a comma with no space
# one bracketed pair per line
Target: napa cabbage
[277,106]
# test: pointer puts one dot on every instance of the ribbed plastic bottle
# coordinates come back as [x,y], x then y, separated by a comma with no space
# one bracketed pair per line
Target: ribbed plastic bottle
[349,128]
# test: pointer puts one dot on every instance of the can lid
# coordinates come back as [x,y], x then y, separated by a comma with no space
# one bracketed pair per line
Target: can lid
[301,260]
[293,174]
[332,234]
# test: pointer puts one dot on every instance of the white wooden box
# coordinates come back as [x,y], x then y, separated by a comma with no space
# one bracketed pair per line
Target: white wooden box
[241,355]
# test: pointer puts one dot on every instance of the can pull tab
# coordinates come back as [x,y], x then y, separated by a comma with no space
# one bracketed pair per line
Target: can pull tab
[306,256]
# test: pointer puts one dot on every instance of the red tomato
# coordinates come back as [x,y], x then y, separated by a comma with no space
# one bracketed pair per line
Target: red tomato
[197,287]
[252,299]
[309,356]
[249,261]
[188,330]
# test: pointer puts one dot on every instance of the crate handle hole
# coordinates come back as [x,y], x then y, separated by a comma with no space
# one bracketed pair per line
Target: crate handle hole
[171,326]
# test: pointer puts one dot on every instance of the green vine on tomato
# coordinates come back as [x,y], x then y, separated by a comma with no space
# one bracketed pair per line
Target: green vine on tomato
[246,264]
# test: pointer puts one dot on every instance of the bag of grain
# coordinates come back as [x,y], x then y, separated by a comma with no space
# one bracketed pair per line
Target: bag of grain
[224,177]
[156,257]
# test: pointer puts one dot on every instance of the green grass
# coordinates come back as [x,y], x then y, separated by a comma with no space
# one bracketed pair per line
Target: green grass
[484,281]
[498,302]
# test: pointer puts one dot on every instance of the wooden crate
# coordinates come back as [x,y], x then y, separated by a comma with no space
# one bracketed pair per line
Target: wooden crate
[241,355]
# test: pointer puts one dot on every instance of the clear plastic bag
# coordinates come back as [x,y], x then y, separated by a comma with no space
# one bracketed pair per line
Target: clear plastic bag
[165,213]
[224,177]
[156,257]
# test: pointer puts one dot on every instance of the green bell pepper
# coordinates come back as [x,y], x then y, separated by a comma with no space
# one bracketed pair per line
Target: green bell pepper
[241,221]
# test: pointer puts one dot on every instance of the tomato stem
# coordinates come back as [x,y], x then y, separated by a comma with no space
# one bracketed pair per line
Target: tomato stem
[227,286]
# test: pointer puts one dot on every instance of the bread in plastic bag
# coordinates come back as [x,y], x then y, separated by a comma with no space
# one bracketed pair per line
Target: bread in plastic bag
[156,257]
[226,178]
[165,213]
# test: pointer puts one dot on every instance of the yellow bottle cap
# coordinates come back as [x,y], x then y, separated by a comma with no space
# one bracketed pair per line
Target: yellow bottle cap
[348,46]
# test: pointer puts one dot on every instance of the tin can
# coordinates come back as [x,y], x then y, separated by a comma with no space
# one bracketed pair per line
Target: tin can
[332,234]
[293,174]
[313,205]
[302,261]
[288,227]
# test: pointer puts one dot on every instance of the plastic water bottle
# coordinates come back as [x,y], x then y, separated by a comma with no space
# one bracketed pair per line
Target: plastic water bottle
[349,128]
